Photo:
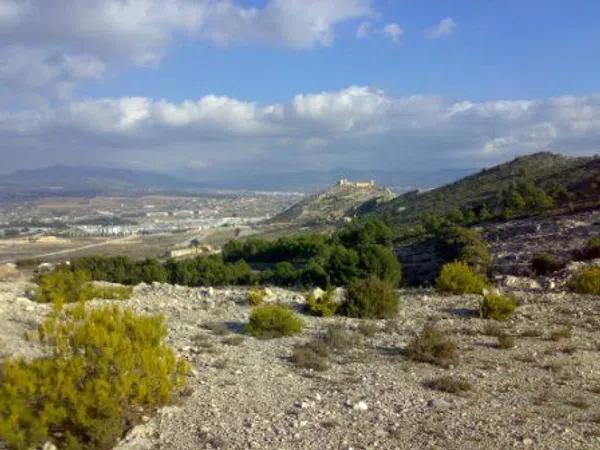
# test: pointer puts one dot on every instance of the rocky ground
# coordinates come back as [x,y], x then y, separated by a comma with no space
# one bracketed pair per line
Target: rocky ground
[245,393]
[514,243]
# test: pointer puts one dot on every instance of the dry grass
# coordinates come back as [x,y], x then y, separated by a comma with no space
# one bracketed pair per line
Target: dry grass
[578,402]
[311,355]
[432,346]
[367,329]
[337,337]
[233,340]
[8,272]
[492,329]
[561,333]
[452,385]
[531,333]
[505,341]
[217,328]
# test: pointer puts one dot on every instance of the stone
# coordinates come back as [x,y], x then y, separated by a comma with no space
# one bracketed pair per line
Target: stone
[317,293]
[438,403]
[523,283]
[360,406]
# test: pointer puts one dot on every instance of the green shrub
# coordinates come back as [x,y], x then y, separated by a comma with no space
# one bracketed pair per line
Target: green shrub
[592,248]
[545,264]
[271,321]
[256,296]
[379,261]
[342,265]
[497,307]
[432,346]
[371,298]
[586,281]
[107,363]
[459,278]
[323,306]
[463,244]
[283,274]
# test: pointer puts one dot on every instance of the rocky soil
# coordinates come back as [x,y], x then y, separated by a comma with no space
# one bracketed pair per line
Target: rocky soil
[245,393]
[514,243]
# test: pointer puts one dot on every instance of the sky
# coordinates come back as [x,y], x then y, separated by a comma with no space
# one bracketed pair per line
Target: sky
[278,86]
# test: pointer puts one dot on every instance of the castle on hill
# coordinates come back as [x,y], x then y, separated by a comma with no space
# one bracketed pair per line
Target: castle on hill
[356,184]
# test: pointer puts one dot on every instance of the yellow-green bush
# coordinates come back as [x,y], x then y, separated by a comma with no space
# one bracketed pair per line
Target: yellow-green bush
[64,286]
[270,321]
[111,292]
[497,307]
[256,296]
[105,364]
[459,278]
[586,281]
[323,306]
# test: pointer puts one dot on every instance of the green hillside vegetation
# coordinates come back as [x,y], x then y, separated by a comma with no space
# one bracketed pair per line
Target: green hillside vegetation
[527,185]
[360,249]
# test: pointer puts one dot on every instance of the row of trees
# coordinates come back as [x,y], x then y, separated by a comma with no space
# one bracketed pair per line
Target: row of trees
[362,249]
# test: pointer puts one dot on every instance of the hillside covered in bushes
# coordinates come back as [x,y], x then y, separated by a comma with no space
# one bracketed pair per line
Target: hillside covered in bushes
[524,186]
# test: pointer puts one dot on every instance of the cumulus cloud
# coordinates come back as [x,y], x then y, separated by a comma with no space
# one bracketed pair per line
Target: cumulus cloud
[393,31]
[446,27]
[51,46]
[355,127]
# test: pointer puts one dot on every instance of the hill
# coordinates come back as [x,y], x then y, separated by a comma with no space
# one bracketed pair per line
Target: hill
[569,181]
[334,204]
[312,181]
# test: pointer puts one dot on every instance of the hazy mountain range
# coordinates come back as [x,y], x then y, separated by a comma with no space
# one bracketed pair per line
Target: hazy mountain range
[86,181]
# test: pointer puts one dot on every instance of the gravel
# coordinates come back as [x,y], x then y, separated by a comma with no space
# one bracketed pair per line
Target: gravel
[246,394]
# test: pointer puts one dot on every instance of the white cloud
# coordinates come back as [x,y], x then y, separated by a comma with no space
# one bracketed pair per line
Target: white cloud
[293,23]
[11,10]
[35,67]
[60,42]
[393,31]
[354,127]
[446,27]
[364,30]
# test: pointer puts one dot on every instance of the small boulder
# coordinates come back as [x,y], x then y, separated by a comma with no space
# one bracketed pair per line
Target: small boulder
[521,283]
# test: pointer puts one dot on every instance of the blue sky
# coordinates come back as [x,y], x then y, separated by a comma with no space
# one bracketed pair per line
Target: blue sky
[500,49]
[284,85]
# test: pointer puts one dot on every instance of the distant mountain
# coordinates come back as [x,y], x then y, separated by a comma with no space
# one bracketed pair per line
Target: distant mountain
[78,180]
[334,204]
[580,176]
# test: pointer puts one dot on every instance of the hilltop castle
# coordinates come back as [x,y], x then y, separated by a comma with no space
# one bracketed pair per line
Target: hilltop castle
[356,184]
